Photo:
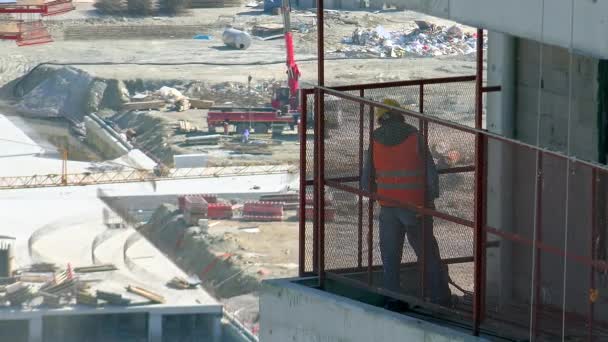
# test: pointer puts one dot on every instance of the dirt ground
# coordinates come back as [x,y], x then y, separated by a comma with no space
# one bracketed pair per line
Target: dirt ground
[254,61]
[257,250]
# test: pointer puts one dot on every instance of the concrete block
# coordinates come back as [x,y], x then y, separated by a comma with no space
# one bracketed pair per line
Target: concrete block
[526,99]
[525,126]
[528,51]
[556,80]
[286,307]
[586,112]
[560,58]
[527,73]
[554,104]
[35,329]
[155,327]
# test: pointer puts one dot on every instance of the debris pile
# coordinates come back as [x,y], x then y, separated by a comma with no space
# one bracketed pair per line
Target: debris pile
[159,99]
[426,40]
[48,285]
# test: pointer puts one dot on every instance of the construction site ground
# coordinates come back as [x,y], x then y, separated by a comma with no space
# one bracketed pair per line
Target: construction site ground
[246,251]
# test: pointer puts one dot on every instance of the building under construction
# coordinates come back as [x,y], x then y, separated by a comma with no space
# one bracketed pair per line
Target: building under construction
[521,216]
[520,221]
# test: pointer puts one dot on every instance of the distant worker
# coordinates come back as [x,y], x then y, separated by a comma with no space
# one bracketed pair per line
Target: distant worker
[398,170]
[246,136]
[226,125]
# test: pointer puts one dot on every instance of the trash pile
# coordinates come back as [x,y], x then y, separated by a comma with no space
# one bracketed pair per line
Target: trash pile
[426,40]
[235,93]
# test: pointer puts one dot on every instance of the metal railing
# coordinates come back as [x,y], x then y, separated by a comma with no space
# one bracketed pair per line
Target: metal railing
[518,265]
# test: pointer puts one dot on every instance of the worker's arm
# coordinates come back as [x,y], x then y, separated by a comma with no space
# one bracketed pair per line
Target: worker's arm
[432,177]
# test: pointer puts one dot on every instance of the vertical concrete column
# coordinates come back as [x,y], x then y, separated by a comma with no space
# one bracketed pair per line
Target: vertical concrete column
[215,328]
[155,327]
[500,115]
[35,329]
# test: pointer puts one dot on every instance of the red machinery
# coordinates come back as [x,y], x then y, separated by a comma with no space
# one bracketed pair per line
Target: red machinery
[26,27]
[285,108]
[259,119]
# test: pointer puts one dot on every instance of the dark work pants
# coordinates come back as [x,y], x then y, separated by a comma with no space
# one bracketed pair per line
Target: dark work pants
[395,224]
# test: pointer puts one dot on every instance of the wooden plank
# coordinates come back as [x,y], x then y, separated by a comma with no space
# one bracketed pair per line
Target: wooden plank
[95,268]
[153,297]
[144,105]
[201,104]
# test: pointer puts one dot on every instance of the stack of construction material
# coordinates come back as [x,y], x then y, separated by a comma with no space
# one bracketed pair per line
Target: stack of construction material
[6,258]
[290,201]
[18,293]
[219,211]
[330,210]
[181,200]
[195,208]
[330,214]
[263,211]
[51,300]
[63,282]
[84,297]
[112,298]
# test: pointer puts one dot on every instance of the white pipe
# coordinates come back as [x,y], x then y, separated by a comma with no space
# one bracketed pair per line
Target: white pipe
[236,39]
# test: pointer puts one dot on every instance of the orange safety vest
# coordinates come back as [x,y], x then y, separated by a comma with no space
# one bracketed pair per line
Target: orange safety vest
[399,172]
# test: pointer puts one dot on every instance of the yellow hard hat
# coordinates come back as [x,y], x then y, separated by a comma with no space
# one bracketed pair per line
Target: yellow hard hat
[380,112]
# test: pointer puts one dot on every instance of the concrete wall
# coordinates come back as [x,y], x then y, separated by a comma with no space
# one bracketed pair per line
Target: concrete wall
[512,171]
[524,18]
[500,119]
[555,95]
[103,142]
[172,324]
[293,312]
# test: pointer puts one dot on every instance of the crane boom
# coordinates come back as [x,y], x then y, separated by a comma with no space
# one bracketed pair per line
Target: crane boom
[293,73]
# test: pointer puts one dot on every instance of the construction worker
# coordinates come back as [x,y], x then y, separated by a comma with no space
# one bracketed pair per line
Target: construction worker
[396,175]
[245,138]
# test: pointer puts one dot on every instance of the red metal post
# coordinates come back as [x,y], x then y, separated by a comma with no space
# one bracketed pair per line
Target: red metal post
[538,238]
[302,209]
[423,227]
[321,187]
[360,206]
[315,238]
[591,308]
[320,44]
[320,117]
[479,191]
[370,204]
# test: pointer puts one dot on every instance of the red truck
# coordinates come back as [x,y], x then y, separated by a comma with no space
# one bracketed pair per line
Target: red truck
[260,119]
[284,102]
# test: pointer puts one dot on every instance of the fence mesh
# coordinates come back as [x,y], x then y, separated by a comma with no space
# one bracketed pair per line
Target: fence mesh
[544,232]
[352,238]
